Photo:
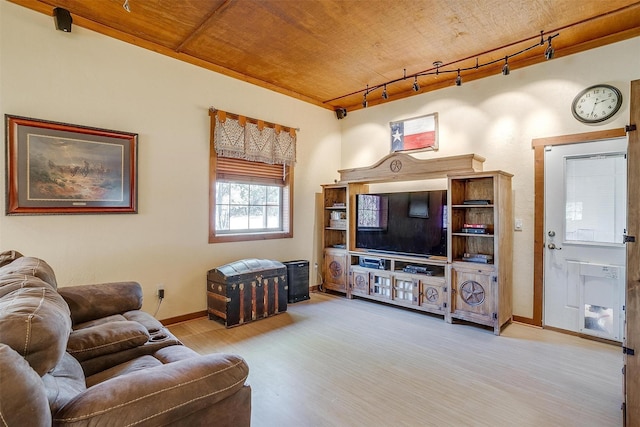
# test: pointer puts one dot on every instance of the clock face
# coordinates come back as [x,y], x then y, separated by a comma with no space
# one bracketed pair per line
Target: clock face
[596,103]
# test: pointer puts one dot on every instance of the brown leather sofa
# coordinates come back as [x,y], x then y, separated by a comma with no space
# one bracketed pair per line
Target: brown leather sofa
[87,355]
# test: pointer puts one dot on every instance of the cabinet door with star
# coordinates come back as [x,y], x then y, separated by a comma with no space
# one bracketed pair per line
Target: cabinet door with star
[473,294]
[335,270]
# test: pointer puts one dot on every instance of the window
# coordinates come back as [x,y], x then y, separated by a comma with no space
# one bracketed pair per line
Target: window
[251,200]
[244,207]
[250,179]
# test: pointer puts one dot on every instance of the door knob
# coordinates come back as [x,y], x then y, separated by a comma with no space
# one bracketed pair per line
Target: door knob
[553,246]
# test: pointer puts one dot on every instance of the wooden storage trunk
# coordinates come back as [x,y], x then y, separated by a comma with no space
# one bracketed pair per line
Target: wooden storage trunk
[246,290]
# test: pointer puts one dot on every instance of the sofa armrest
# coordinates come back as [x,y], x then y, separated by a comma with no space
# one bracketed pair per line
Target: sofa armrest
[160,395]
[89,302]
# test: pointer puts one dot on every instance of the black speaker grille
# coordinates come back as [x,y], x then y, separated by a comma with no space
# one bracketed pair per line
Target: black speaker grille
[297,280]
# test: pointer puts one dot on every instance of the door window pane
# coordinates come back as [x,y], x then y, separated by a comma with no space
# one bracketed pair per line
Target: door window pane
[595,198]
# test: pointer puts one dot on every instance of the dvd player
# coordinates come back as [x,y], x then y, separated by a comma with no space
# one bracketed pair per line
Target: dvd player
[371,262]
[417,269]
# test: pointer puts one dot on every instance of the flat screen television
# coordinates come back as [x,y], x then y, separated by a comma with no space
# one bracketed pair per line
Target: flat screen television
[405,223]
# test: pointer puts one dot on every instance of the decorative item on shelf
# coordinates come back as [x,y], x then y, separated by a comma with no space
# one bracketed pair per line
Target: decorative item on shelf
[338,223]
[477,202]
[476,228]
[479,258]
[338,219]
[473,230]
[338,205]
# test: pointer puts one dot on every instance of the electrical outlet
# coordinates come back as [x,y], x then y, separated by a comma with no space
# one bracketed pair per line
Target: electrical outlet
[160,291]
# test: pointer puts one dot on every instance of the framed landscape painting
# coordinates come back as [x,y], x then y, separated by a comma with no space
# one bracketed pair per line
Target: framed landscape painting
[58,168]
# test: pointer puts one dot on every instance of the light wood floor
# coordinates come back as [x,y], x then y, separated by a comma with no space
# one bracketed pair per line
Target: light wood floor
[330,361]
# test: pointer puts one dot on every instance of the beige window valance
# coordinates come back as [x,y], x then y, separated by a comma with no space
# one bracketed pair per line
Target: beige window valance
[250,139]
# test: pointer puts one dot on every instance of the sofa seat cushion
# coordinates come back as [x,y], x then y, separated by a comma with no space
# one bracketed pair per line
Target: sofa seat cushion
[36,323]
[162,395]
[100,321]
[174,353]
[134,365]
[106,338]
[31,266]
[23,398]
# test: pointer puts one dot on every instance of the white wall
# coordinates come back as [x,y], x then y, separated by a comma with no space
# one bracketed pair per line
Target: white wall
[88,79]
[497,118]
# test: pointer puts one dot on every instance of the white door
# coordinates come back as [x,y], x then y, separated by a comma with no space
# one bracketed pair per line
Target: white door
[585,220]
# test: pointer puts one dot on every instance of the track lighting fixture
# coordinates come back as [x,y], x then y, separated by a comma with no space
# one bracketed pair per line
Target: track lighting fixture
[126,6]
[549,51]
[437,67]
[505,67]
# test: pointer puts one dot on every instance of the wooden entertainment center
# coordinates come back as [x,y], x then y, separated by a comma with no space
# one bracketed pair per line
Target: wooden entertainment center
[473,282]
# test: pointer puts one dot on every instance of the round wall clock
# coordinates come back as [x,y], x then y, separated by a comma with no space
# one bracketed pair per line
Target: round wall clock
[596,103]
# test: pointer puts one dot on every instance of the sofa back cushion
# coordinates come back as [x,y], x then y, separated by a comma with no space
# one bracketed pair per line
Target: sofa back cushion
[90,302]
[7,257]
[35,322]
[30,266]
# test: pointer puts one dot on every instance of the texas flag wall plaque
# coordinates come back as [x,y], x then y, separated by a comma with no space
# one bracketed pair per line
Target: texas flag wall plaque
[418,133]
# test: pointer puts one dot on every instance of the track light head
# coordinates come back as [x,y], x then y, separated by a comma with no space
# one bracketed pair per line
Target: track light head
[549,51]
[416,86]
[459,79]
[385,95]
[505,67]
[365,104]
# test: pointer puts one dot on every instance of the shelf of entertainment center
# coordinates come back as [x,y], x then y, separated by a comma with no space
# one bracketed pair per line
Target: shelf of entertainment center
[435,267]
[416,283]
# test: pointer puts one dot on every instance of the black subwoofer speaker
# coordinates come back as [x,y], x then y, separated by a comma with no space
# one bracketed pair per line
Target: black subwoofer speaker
[63,19]
[297,280]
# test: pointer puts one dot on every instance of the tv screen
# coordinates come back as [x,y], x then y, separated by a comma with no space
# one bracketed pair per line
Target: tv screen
[409,223]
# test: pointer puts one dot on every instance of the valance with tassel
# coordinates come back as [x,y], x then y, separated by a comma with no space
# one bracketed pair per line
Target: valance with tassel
[250,139]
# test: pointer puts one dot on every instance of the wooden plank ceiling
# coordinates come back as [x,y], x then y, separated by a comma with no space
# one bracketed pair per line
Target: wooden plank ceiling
[326,52]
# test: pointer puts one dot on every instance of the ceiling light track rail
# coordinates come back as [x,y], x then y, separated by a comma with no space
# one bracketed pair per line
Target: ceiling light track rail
[437,69]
